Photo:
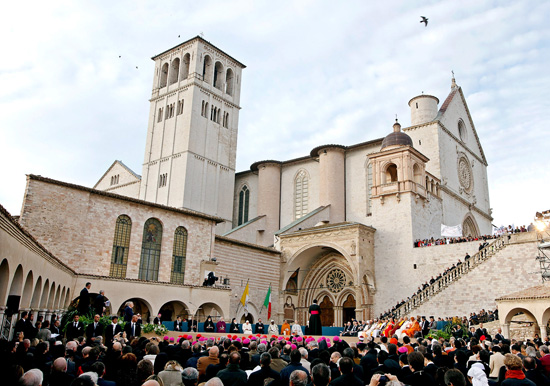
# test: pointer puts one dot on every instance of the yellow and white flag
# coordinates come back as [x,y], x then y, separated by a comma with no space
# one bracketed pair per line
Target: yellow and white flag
[244,299]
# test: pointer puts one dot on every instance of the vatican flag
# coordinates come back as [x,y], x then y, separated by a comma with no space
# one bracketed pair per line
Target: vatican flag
[244,299]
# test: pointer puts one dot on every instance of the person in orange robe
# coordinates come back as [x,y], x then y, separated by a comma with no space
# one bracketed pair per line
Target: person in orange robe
[414,328]
[285,328]
[396,327]
[389,328]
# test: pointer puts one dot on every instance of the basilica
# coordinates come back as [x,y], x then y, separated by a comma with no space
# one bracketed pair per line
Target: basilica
[337,224]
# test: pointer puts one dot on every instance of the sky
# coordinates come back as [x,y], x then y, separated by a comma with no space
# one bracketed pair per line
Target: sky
[317,72]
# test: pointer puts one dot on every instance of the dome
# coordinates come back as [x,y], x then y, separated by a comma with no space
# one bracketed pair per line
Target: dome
[397,138]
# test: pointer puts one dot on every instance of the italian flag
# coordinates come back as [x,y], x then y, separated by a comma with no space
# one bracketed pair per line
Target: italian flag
[267,302]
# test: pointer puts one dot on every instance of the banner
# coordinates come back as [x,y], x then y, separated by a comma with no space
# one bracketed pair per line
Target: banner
[244,299]
[451,231]
[267,302]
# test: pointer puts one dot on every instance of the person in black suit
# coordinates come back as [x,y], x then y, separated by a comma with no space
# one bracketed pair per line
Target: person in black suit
[178,324]
[30,329]
[258,377]
[425,326]
[158,319]
[259,328]
[75,328]
[133,328]
[55,329]
[112,330]
[21,325]
[84,300]
[499,335]
[99,303]
[128,311]
[94,329]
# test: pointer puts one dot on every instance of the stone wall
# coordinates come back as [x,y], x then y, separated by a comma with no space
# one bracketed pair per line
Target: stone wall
[240,263]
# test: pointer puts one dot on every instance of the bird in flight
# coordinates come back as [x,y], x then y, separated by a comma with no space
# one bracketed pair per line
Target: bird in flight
[424,20]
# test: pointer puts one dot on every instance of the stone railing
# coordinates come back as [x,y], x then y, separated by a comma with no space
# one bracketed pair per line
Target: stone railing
[454,274]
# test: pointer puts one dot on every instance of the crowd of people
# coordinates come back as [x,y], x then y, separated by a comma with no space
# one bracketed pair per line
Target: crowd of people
[401,356]
[451,240]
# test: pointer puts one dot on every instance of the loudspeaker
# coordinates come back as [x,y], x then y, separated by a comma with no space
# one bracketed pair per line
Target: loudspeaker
[12,306]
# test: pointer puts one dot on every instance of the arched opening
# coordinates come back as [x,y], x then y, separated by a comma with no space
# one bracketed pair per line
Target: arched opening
[169,311]
[519,317]
[469,227]
[4,280]
[327,312]
[150,250]
[248,317]
[141,307]
[417,174]
[349,308]
[432,186]
[163,75]
[35,301]
[209,309]
[462,132]
[94,306]
[244,198]
[121,246]
[61,304]
[427,184]
[301,194]
[17,283]
[391,173]
[229,81]
[51,297]
[174,70]
[207,69]
[27,291]
[185,66]
[45,293]
[56,299]
[179,256]
[218,75]
[67,298]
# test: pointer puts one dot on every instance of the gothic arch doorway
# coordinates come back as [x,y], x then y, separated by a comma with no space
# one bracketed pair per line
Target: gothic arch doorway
[469,227]
[327,312]
[349,308]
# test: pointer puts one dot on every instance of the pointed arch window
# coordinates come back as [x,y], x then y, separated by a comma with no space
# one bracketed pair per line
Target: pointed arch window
[369,189]
[150,250]
[244,199]
[301,194]
[179,255]
[121,244]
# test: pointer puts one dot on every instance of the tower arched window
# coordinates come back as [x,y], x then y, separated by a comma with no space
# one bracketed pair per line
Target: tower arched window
[218,75]
[244,200]
[229,81]
[301,194]
[185,66]
[174,70]
[391,173]
[179,255]
[163,75]
[369,189]
[417,174]
[150,250]
[121,244]
[207,69]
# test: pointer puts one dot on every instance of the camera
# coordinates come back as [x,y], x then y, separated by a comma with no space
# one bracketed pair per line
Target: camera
[383,379]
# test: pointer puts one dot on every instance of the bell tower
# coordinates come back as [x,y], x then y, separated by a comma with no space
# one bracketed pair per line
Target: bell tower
[190,151]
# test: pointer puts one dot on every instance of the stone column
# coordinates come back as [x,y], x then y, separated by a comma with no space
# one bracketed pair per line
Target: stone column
[269,198]
[506,330]
[338,316]
[332,181]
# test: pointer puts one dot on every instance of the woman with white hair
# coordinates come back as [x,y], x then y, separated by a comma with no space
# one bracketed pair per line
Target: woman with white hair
[171,375]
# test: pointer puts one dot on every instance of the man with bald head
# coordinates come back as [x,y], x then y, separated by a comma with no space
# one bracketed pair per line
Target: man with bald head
[59,374]
[151,383]
[211,359]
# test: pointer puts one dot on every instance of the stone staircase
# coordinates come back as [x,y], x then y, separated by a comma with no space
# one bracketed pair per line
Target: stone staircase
[452,276]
